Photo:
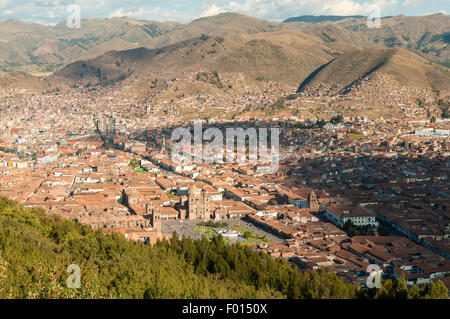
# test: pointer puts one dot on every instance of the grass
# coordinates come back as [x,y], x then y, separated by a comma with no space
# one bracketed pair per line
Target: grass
[203,230]
[239,228]
[251,236]
[172,196]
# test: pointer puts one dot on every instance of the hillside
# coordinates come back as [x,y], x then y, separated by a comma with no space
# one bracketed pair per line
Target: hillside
[36,249]
[334,33]
[221,25]
[283,56]
[405,69]
[428,35]
[22,80]
[46,48]
[39,48]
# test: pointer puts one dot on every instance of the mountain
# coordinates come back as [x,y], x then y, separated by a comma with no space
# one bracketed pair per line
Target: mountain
[387,82]
[331,33]
[46,48]
[283,56]
[223,24]
[320,19]
[428,36]
[43,49]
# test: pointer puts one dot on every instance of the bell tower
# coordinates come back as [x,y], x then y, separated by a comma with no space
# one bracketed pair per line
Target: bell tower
[155,216]
[314,205]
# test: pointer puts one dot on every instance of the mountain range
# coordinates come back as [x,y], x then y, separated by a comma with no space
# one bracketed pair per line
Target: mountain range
[321,55]
[50,47]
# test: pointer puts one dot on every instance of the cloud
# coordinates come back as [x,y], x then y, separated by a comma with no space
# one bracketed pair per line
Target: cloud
[212,10]
[117,13]
[271,9]
[4,3]
[411,3]
[187,10]
[156,14]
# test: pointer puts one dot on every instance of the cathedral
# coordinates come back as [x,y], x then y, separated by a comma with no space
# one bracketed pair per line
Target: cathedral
[155,215]
[199,206]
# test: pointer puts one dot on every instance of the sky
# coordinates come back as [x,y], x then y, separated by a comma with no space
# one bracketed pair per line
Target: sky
[54,11]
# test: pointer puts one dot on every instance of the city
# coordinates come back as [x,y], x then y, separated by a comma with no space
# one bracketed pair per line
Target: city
[362,176]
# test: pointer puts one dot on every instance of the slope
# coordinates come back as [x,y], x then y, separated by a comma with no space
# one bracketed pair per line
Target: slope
[406,69]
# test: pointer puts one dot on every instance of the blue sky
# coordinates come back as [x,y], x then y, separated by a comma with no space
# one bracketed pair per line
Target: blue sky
[53,11]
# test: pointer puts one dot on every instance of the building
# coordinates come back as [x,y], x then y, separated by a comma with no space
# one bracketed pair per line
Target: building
[199,205]
[357,215]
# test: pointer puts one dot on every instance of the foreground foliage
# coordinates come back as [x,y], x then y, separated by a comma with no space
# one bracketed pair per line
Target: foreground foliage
[36,248]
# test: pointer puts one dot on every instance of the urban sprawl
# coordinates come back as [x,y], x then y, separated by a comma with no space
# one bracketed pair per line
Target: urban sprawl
[347,194]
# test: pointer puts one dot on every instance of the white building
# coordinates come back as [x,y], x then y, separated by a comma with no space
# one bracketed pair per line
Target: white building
[357,215]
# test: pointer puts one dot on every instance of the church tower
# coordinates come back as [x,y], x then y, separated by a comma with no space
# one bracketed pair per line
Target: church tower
[194,203]
[155,216]
[314,205]
[206,206]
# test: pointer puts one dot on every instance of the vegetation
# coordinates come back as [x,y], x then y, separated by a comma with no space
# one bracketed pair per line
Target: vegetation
[210,77]
[353,230]
[36,248]
[337,119]
[319,124]
[172,196]
[134,163]
[210,223]
[204,230]
[250,236]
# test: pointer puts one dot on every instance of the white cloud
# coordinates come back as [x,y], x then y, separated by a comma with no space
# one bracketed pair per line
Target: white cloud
[4,3]
[411,3]
[153,14]
[212,10]
[281,9]
[117,13]
[186,10]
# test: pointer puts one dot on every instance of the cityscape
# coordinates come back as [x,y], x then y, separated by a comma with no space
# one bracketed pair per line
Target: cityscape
[356,119]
